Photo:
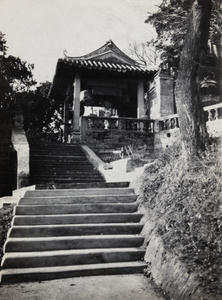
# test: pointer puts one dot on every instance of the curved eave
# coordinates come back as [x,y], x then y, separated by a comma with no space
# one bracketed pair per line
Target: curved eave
[66,68]
[100,65]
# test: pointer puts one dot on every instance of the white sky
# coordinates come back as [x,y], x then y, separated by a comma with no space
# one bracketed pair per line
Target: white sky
[39,30]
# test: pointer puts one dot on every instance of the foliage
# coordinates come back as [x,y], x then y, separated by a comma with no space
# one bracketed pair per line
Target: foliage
[39,111]
[6,215]
[186,206]
[171,21]
[42,115]
[15,77]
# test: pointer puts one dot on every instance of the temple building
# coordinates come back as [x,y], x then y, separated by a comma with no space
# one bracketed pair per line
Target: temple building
[108,83]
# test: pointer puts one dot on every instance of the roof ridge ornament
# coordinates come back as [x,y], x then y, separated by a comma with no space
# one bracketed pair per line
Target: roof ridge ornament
[110,43]
[65,53]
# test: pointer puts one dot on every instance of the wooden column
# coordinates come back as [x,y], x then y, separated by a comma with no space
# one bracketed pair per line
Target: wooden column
[76,108]
[65,120]
[140,99]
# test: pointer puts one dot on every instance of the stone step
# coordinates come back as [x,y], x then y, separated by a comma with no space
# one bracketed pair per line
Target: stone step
[70,257]
[78,199]
[58,158]
[55,177]
[49,152]
[92,184]
[72,242]
[77,219]
[53,145]
[60,233]
[64,180]
[75,208]
[45,273]
[75,229]
[55,171]
[67,178]
[62,168]
[57,150]
[82,192]
[47,161]
[61,179]
[58,163]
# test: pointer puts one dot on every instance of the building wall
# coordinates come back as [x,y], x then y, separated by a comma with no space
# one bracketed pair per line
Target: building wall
[161,96]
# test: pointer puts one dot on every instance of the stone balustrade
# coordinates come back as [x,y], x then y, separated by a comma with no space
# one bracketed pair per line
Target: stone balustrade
[213,117]
[169,122]
[214,112]
[91,123]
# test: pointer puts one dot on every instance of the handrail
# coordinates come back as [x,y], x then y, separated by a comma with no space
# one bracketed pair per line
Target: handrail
[214,106]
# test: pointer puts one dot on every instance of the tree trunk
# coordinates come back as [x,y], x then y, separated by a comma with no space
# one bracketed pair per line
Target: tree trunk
[189,105]
[219,51]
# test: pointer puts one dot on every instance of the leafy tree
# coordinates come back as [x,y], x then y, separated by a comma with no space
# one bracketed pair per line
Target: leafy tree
[42,115]
[171,23]
[184,29]
[15,76]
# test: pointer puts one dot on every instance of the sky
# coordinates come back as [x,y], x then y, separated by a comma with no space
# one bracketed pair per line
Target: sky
[38,31]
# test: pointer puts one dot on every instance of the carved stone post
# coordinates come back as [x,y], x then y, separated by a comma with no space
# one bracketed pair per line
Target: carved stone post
[21,146]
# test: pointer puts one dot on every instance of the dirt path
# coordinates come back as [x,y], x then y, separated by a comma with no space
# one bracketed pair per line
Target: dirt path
[115,287]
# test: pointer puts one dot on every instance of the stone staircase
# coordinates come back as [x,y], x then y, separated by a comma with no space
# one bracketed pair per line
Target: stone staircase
[57,165]
[74,232]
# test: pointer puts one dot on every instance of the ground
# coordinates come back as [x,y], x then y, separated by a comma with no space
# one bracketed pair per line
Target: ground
[114,287]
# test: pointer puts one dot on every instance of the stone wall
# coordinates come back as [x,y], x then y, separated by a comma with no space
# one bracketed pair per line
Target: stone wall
[108,140]
[166,270]
[99,138]
[14,155]
[7,161]
[166,138]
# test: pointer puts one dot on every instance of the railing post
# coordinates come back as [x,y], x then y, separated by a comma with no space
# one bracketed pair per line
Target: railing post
[156,126]
[210,116]
[216,116]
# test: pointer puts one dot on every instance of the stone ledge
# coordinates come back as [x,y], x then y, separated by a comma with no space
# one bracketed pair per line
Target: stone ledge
[16,196]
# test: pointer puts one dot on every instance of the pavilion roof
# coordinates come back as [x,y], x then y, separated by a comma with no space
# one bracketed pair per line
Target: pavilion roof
[108,58]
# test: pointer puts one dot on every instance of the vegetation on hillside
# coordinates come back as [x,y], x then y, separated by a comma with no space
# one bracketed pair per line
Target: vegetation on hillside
[186,205]
[6,215]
